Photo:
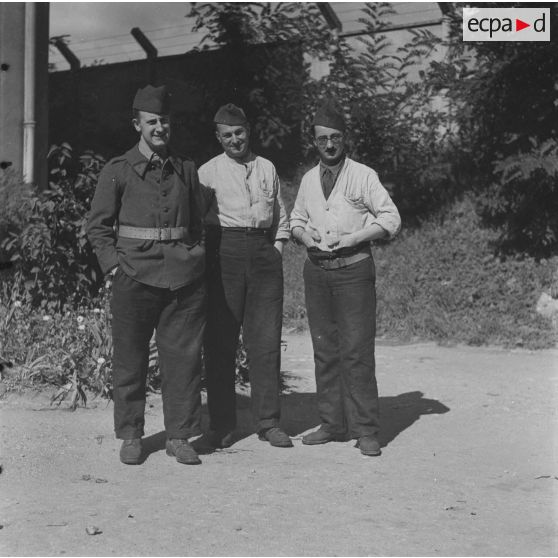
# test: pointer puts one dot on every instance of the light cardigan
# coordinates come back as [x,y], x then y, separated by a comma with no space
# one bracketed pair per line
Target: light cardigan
[246,194]
[357,200]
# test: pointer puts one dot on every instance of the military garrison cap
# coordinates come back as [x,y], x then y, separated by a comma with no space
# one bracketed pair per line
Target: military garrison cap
[152,99]
[231,115]
[329,115]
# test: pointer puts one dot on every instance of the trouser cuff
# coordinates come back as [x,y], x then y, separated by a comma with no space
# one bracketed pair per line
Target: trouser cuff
[267,424]
[183,434]
[127,434]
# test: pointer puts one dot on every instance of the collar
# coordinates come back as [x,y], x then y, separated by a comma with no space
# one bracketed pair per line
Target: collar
[250,158]
[140,156]
[334,169]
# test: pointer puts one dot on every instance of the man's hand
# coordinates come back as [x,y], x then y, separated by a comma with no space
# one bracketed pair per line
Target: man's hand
[346,241]
[308,238]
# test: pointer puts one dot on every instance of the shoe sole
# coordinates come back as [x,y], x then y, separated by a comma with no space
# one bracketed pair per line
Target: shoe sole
[320,442]
[131,461]
[369,453]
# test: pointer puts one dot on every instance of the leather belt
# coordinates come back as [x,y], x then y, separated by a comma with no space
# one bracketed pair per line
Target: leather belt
[336,261]
[150,233]
[246,230]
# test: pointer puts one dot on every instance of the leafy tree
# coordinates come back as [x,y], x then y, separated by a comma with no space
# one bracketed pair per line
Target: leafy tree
[392,126]
[505,96]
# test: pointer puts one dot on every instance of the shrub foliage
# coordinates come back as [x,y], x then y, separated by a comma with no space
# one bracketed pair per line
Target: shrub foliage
[54,263]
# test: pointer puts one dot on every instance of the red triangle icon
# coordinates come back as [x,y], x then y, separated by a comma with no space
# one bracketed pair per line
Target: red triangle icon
[519,25]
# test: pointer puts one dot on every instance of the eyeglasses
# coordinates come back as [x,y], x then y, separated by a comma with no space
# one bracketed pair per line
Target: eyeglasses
[335,139]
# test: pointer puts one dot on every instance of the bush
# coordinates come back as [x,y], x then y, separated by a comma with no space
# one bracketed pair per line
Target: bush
[14,196]
[69,348]
[54,263]
[522,202]
[444,283]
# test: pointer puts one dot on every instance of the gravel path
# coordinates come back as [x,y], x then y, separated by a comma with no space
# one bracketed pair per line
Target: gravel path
[469,467]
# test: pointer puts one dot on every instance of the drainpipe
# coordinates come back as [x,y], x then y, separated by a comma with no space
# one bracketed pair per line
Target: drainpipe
[29,94]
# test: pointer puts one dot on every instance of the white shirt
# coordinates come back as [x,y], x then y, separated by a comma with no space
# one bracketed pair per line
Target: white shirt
[357,200]
[246,194]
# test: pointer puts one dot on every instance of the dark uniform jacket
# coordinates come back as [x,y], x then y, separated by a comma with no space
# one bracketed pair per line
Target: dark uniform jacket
[133,191]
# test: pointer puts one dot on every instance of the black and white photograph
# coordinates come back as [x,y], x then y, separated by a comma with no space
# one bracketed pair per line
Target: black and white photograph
[278,278]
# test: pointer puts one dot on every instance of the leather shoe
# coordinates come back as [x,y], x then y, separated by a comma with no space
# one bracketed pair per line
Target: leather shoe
[183,451]
[131,451]
[222,439]
[276,437]
[369,445]
[321,436]
[212,440]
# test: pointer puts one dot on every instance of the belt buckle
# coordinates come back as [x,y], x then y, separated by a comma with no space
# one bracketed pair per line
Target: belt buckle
[164,234]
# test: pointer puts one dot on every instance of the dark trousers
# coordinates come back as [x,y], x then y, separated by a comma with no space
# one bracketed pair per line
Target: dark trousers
[178,317]
[341,305]
[245,287]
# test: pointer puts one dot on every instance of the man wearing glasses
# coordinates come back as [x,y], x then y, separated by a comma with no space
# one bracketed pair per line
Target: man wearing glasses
[340,208]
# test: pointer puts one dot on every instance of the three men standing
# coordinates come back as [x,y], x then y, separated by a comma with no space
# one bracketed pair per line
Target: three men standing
[341,206]
[145,225]
[246,227]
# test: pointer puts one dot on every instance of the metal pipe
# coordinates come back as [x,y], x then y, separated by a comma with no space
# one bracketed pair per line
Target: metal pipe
[29,121]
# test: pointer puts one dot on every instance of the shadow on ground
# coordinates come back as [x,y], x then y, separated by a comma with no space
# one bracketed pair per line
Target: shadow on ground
[299,414]
[397,413]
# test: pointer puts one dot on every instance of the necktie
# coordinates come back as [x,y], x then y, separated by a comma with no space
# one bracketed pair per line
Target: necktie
[156,161]
[327,182]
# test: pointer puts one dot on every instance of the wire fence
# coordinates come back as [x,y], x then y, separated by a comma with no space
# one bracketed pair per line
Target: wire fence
[178,39]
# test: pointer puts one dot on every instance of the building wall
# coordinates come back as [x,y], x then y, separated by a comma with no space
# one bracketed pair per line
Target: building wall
[12,25]
[91,108]
[12,58]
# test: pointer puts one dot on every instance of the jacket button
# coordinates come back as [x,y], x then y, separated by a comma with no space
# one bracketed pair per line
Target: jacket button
[165,224]
[166,209]
[164,194]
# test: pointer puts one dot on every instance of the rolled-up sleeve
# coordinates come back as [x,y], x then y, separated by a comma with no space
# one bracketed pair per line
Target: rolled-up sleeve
[280,219]
[102,218]
[380,204]
[299,215]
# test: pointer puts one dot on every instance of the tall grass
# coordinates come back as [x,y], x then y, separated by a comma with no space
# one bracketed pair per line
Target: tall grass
[443,282]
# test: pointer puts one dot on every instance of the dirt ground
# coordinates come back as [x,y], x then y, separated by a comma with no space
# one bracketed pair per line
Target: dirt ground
[469,467]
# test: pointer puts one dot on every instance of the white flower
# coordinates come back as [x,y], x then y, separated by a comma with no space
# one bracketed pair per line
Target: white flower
[46,318]
[17,303]
[96,311]
[81,327]
[101,360]
[80,319]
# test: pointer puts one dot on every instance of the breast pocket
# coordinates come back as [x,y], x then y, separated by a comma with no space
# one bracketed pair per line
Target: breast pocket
[355,202]
[266,189]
